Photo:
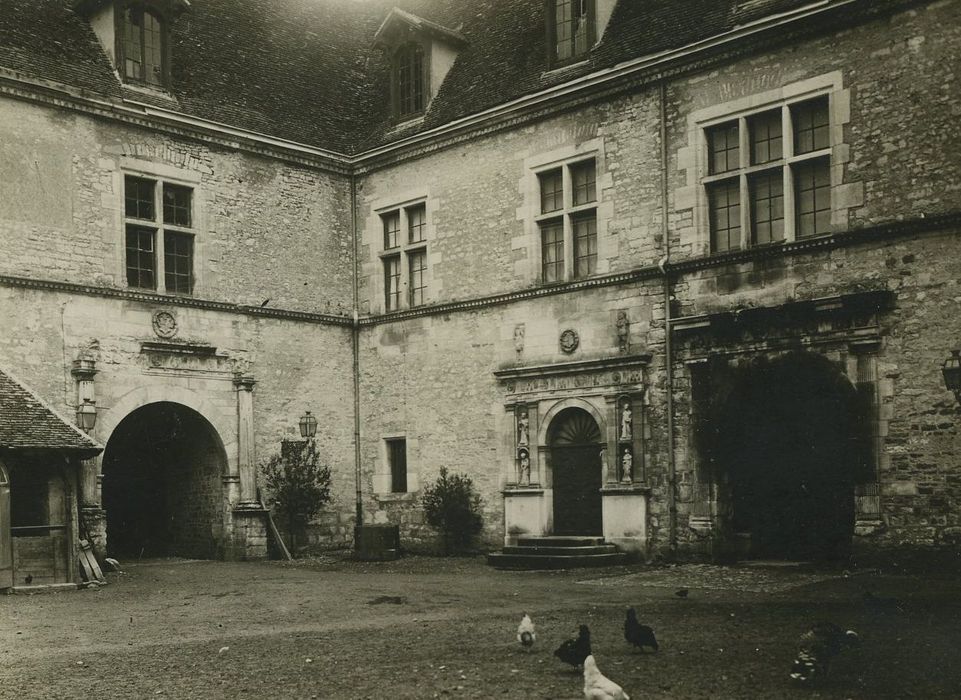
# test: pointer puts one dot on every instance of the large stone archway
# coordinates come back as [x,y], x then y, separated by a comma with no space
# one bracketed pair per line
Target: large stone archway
[163,470]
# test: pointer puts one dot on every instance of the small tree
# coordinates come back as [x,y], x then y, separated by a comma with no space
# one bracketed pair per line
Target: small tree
[298,485]
[452,506]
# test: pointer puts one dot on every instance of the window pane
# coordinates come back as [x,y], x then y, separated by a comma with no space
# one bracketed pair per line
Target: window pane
[579,29]
[392,283]
[724,150]
[811,125]
[584,182]
[585,245]
[417,261]
[152,50]
[724,200]
[410,79]
[141,260]
[766,141]
[176,203]
[138,198]
[767,206]
[391,230]
[133,43]
[416,223]
[563,29]
[812,184]
[397,456]
[552,251]
[552,191]
[178,262]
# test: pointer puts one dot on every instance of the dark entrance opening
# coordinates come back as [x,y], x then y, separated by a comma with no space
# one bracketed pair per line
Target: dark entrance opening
[162,490]
[575,450]
[789,445]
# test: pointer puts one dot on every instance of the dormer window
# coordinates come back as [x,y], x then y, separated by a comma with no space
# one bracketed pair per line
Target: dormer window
[142,37]
[409,80]
[571,29]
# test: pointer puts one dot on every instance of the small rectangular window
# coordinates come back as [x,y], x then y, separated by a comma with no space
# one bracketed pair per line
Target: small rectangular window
[811,125]
[392,282]
[397,458]
[552,251]
[584,182]
[724,148]
[812,184]
[141,259]
[139,198]
[391,230]
[552,191]
[767,206]
[178,262]
[418,283]
[176,203]
[766,139]
[417,223]
[724,200]
[585,245]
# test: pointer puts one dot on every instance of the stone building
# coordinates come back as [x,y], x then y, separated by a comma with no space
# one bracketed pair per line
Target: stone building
[681,274]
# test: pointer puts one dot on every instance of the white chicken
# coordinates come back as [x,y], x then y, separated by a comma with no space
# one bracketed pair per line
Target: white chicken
[525,632]
[597,686]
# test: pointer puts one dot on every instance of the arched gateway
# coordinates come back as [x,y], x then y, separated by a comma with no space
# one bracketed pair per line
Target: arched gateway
[162,484]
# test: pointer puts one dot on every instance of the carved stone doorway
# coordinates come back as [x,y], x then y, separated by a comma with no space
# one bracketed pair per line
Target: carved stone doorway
[574,440]
[788,448]
[162,485]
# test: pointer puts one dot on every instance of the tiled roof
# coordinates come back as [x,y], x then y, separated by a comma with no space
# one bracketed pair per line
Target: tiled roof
[27,423]
[309,70]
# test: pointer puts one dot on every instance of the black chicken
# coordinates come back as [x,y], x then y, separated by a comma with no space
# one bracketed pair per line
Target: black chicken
[637,634]
[574,651]
[816,649]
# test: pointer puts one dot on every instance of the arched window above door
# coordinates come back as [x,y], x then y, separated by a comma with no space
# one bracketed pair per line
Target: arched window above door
[574,426]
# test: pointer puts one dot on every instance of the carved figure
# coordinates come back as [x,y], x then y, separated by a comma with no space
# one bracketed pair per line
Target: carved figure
[525,467]
[523,428]
[623,332]
[519,337]
[626,421]
[627,466]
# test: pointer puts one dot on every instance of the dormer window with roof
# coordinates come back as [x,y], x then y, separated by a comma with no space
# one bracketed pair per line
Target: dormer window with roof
[410,80]
[142,43]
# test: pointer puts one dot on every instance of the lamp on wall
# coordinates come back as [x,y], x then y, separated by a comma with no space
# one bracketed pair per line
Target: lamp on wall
[952,374]
[87,415]
[308,426]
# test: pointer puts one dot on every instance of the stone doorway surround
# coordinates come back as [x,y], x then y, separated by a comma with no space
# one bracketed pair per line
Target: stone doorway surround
[613,392]
[845,330]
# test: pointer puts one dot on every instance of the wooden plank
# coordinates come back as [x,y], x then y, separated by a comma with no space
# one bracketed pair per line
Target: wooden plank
[87,555]
[275,533]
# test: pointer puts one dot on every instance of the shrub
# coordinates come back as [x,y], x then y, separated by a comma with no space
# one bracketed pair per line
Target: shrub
[452,506]
[298,485]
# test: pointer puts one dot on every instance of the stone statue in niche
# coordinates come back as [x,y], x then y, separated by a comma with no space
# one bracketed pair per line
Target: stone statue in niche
[523,428]
[627,466]
[623,332]
[626,421]
[524,467]
[519,338]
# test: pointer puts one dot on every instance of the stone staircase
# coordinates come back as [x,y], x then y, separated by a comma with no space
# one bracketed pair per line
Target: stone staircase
[557,552]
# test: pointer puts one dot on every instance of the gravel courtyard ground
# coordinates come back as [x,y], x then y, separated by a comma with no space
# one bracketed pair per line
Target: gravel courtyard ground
[426,628]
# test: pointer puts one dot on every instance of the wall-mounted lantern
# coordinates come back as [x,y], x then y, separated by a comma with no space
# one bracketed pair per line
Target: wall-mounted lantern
[87,415]
[952,374]
[308,426]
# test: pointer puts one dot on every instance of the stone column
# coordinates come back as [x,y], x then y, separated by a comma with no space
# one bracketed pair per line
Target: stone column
[246,466]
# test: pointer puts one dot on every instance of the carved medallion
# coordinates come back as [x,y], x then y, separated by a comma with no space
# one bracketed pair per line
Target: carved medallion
[164,324]
[569,341]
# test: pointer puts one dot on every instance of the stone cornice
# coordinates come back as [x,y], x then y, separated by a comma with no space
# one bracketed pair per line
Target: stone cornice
[165,300]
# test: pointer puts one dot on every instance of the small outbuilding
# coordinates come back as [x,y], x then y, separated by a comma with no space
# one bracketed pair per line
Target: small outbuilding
[40,459]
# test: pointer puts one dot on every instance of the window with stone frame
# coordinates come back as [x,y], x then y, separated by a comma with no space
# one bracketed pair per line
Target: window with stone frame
[397,461]
[567,220]
[159,235]
[142,44]
[404,256]
[410,80]
[762,187]
[571,26]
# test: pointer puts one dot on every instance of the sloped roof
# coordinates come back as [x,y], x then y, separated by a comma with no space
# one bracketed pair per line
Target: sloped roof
[27,423]
[309,71]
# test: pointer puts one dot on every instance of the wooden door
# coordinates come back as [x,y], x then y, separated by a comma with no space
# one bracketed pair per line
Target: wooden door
[576,469]
[6,545]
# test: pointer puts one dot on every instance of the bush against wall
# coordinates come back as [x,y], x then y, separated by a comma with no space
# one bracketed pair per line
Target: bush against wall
[298,485]
[452,506]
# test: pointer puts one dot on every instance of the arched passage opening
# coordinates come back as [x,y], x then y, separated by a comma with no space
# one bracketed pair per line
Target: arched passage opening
[162,484]
[574,440]
[789,448]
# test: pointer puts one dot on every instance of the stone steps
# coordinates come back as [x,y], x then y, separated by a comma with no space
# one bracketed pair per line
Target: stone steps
[556,552]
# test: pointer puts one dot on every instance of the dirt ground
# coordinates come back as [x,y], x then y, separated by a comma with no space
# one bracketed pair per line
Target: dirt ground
[426,628]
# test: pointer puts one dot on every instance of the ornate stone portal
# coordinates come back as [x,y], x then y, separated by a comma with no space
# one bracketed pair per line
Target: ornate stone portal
[612,393]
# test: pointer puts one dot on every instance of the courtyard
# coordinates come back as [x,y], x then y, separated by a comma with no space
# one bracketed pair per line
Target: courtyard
[328,627]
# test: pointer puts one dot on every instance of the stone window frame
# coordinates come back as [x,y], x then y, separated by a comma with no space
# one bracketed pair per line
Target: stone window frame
[161,174]
[529,267]
[692,158]
[383,476]
[163,19]
[404,252]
